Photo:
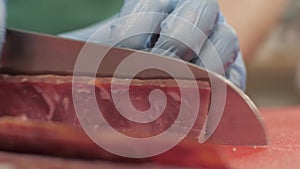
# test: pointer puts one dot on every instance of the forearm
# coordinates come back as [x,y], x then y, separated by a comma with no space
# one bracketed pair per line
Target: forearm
[252,20]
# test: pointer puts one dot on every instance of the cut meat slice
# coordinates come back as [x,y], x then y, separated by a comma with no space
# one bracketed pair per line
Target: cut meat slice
[38,116]
[53,138]
[62,140]
[21,161]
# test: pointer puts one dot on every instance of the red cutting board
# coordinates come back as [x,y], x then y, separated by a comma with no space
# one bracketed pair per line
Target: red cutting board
[283,151]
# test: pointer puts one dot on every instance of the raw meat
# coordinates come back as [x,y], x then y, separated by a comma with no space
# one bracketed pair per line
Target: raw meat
[38,116]
[22,161]
[49,98]
[62,140]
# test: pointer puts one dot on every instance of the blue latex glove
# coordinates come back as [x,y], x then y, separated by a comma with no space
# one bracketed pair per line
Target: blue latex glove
[179,36]
[2,22]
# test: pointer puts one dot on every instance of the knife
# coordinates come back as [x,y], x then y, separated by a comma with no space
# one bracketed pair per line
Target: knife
[32,53]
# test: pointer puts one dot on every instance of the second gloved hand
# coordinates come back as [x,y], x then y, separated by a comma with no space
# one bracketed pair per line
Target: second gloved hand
[192,30]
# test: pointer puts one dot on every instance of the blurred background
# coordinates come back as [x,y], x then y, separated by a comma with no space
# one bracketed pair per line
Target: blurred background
[273,74]
[57,16]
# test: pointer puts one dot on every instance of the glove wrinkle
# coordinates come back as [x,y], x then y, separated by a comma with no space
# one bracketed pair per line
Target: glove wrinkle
[192,30]
[188,27]
[128,32]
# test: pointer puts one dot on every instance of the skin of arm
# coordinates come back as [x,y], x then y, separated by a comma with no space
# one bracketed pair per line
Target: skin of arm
[252,20]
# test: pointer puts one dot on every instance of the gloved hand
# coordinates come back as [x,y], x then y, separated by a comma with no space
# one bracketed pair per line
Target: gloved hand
[2,22]
[183,27]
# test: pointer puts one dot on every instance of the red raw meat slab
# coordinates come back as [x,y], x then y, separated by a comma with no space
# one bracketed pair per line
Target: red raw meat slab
[49,98]
[38,117]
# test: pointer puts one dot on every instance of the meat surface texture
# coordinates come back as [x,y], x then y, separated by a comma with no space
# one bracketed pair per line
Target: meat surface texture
[22,161]
[38,116]
[49,99]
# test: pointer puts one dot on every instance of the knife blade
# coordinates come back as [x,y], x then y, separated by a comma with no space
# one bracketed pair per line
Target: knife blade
[32,53]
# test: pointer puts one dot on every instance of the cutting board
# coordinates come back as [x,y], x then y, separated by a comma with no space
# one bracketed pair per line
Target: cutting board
[283,151]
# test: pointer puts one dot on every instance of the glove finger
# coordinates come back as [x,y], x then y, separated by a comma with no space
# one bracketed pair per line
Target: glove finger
[185,30]
[137,21]
[222,45]
[236,73]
